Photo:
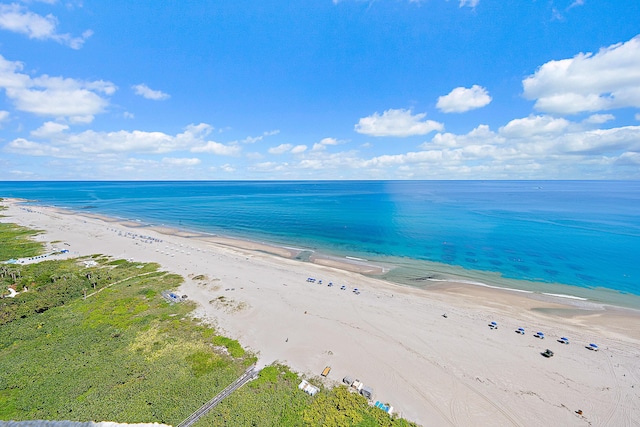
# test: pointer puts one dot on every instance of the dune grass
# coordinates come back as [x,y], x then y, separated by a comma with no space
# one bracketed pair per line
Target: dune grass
[16,242]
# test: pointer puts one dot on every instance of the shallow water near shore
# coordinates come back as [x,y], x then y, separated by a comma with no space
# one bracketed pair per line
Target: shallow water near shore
[425,275]
[531,236]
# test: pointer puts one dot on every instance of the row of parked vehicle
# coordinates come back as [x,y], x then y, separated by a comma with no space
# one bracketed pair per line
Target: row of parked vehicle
[540,335]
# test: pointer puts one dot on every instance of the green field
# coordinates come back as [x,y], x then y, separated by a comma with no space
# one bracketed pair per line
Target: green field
[125,354]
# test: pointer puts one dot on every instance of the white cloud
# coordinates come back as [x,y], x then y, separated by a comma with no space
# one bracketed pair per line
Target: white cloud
[87,144]
[401,123]
[280,149]
[469,3]
[251,139]
[225,168]
[194,137]
[535,147]
[299,149]
[599,118]
[16,18]
[631,159]
[148,93]
[217,148]
[462,99]
[601,141]
[534,126]
[576,3]
[329,141]
[606,80]
[316,164]
[324,142]
[479,136]
[128,115]
[268,167]
[60,97]
[254,139]
[196,132]
[385,161]
[287,148]
[181,162]
[637,116]
[49,129]
[30,148]
[4,116]
[81,119]
[539,139]
[556,15]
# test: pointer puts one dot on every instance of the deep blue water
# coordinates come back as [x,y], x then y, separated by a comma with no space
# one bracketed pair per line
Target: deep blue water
[580,233]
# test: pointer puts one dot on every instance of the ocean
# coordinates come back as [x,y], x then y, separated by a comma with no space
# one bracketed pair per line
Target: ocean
[576,238]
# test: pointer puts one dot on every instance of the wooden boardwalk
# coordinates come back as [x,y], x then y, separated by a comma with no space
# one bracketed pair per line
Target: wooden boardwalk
[248,375]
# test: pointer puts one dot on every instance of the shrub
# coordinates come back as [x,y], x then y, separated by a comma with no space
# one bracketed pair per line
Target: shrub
[233,347]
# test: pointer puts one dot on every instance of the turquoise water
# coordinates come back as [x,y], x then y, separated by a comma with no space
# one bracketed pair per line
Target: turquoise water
[580,233]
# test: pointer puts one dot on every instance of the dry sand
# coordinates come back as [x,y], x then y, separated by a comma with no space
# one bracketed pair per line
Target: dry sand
[437,371]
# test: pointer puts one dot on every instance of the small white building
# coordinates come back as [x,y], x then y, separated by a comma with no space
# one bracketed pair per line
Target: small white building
[308,388]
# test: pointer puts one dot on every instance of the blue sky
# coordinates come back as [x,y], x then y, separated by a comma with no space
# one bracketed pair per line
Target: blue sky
[319,89]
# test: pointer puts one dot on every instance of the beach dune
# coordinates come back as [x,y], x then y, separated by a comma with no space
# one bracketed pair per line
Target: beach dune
[435,370]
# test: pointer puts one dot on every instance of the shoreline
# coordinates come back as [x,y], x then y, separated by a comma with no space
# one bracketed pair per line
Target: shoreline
[384,267]
[436,371]
[353,264]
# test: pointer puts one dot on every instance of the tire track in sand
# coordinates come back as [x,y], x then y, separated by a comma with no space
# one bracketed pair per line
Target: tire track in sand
[451,418]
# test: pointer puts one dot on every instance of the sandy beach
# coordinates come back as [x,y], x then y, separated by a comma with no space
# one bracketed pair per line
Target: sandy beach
[434,370]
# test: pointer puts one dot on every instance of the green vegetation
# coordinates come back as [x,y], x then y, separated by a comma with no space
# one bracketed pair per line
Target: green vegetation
[232,346]
[54,283]
[118,355]
[15,242]
[343,408]
[272,400]
[125,354]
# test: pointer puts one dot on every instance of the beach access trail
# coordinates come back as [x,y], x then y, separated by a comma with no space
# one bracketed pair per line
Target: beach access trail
[435,370]
[247,376]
